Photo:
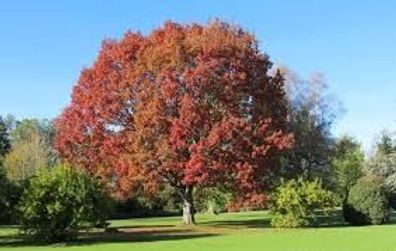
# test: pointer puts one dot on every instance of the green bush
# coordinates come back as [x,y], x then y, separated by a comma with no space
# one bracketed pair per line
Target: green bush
[296,201]
[60,202]
[367,203]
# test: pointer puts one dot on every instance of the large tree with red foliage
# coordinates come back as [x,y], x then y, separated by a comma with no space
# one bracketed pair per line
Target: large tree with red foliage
[187,105]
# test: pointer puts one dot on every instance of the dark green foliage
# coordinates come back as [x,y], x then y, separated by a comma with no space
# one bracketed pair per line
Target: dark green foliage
[165,202]
[5,144]
[60,202]
[296,202]
[366,203]
[10,195]
[6,198]
[211,199]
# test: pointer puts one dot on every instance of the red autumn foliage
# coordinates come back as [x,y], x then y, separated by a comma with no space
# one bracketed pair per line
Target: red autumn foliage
[253,202]
[187,105]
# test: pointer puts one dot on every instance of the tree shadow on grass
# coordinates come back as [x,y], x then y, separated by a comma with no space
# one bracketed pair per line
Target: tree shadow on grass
[239,224]
[93,238]
[147,226]
[8,226]
[141,236]
[336,220]
[392,218]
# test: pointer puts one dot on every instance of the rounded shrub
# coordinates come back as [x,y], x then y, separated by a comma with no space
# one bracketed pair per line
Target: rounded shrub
[59,203]
[296,201]
[367,203]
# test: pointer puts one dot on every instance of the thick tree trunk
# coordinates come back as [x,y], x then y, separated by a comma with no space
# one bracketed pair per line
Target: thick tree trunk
[188,207]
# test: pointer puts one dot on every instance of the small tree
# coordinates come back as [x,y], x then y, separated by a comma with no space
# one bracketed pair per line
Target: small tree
[347,165]
[312,112]
[385,144]
[296,202]
[384,166]
[366,203]
[60,202]
[29,153]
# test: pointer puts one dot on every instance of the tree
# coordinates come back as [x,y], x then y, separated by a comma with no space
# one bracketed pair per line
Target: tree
[385,144]
[10,121]
[347,165]
[187,105]
[5,144]
[8,191]
[384,166]
[29,153]
[47,134]
[312,112]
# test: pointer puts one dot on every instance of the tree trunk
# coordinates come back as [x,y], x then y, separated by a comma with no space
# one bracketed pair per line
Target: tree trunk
[188,207]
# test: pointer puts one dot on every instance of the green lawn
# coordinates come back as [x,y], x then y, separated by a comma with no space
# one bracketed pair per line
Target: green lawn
[240,231]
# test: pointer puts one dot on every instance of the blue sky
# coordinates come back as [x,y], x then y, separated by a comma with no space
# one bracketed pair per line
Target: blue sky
[44,45]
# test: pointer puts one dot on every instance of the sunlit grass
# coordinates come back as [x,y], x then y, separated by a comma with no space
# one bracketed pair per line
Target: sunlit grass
[231,232]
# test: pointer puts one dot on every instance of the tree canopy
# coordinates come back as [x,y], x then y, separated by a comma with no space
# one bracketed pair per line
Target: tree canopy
[31,149]
[312,111]
[185,105]
[347,165]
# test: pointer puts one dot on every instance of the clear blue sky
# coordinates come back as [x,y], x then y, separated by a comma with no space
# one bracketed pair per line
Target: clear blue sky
[44,45]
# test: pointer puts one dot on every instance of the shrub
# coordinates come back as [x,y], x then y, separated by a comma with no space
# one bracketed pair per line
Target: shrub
[60,202]
[367,203]
[296,202]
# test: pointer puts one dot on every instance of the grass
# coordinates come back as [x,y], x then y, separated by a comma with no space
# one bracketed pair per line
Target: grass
[231,232]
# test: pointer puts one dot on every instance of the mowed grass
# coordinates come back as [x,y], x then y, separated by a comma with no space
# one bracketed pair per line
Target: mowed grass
[231,232]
